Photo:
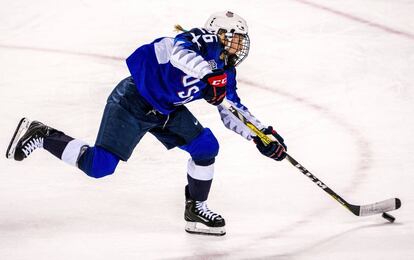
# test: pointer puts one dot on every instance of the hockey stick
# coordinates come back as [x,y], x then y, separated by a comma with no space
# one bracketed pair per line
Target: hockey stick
[358,210]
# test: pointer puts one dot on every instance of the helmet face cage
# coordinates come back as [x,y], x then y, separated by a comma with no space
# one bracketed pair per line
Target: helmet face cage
[236,47]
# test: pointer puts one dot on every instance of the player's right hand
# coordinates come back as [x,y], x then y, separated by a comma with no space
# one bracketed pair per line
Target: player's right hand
[276,149]
[215,91]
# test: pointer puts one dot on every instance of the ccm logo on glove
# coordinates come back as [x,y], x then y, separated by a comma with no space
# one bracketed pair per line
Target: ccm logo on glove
[215,91]
[218,81]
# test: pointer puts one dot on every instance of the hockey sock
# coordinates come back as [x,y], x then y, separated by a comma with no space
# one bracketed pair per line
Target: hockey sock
[200,176]
[63,147]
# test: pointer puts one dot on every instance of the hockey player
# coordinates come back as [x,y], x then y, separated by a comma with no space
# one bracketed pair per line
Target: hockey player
[165,75]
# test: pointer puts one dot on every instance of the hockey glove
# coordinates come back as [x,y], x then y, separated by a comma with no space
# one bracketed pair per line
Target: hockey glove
[215,91]
[275,150]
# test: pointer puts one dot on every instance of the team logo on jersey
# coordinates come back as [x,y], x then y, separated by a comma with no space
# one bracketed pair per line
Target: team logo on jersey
[213,64]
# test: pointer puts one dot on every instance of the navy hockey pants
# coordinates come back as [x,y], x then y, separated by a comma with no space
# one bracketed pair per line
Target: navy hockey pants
[128,117]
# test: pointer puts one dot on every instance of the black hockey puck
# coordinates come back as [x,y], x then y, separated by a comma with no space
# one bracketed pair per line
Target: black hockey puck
[397,203]
[388,217]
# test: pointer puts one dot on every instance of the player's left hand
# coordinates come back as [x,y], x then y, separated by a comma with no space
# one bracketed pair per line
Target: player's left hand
[215,91]
[276,149]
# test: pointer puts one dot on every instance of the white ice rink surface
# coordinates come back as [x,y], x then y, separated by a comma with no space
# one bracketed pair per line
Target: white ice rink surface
[335,77]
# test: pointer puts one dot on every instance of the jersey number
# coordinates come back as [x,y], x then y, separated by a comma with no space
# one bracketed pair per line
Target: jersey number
[207,38]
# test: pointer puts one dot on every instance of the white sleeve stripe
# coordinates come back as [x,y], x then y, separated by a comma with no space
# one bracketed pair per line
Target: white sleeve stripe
[163,50]
[188,57]
[189,62]
[198,62]
[233,123]
[246,113]
[184,53]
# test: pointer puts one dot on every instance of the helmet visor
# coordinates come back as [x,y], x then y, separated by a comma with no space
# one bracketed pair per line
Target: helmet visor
[237,47]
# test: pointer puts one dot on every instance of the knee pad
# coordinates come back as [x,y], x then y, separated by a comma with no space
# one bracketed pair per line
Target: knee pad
[97,162]
[203,148]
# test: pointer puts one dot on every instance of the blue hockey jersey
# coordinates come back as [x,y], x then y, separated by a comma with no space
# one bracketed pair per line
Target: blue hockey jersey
[168,72]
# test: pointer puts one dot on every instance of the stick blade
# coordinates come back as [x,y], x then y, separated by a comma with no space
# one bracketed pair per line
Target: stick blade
[380,207]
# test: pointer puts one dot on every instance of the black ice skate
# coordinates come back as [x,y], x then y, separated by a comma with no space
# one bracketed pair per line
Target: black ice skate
[28,137]
[201,220]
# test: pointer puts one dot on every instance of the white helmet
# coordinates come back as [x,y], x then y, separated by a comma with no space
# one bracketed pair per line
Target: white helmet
[230,24]
[228,21]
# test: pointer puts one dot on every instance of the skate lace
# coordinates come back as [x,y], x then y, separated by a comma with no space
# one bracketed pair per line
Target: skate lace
[33,145]
[202,208]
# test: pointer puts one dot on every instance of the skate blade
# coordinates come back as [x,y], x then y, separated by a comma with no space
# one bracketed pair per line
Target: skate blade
[201,229]
[22,126]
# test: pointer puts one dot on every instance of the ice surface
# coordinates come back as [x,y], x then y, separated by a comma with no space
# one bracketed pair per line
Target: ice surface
[338,90]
